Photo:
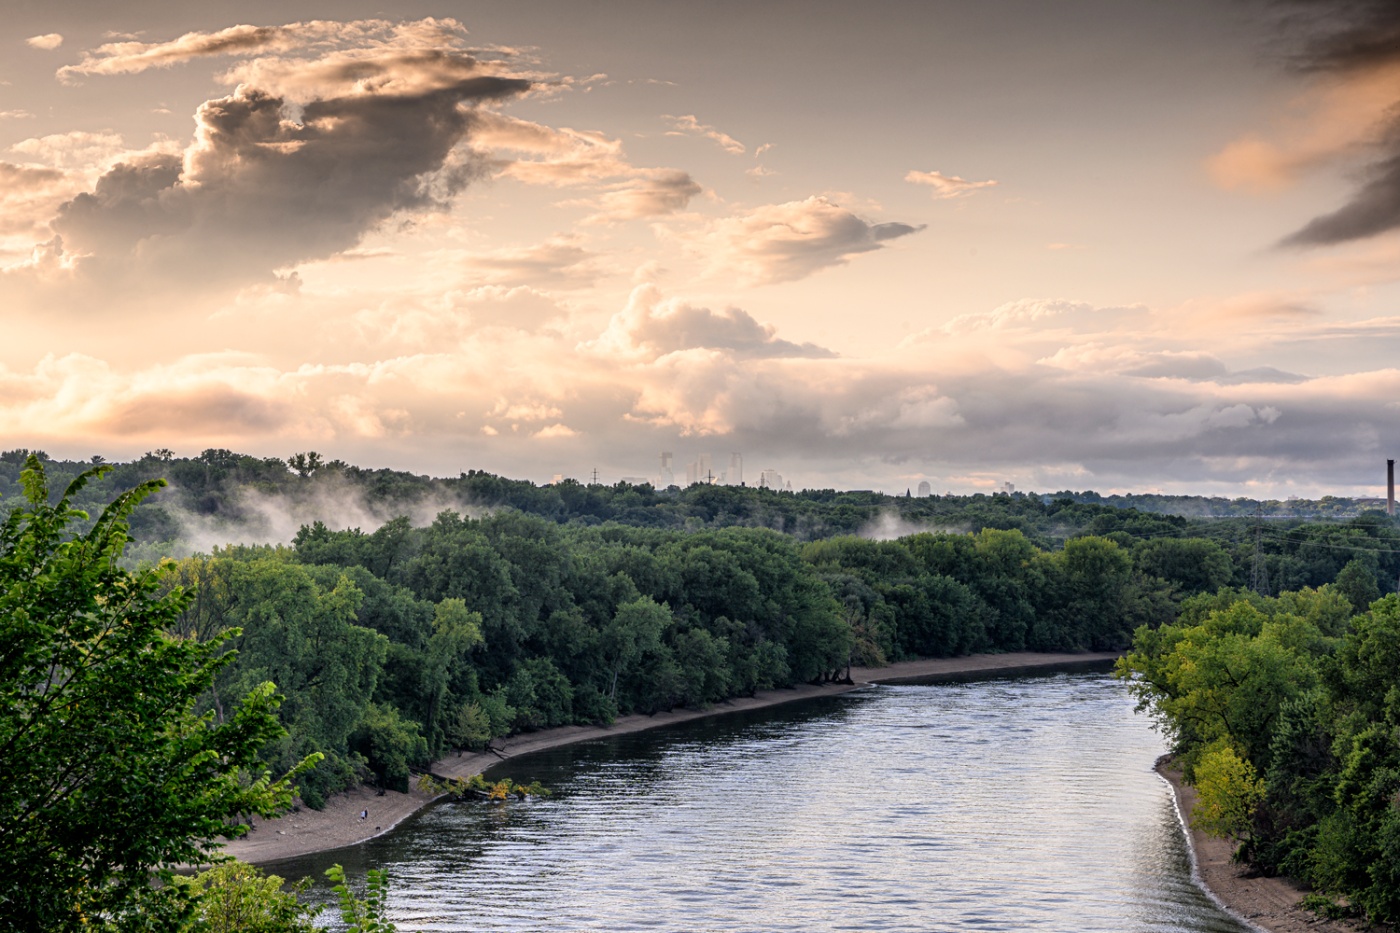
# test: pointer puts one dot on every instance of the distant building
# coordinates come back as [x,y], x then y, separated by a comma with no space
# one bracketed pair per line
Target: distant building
[700,471]
[1008,488]
[558,478]
[668,473]
[770,479]
[734,476]
[925,490]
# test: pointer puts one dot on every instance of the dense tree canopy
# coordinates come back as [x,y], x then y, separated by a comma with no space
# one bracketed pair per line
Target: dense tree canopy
[1285,713]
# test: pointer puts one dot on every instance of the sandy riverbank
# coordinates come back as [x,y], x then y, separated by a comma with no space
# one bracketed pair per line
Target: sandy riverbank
[339,824]
[1269,903]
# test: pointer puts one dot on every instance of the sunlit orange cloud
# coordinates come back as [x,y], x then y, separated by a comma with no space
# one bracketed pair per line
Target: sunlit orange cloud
[1337,118]
[775,243]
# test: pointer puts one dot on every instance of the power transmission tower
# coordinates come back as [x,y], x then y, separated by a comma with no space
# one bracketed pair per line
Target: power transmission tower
[595,476]
[1259,575]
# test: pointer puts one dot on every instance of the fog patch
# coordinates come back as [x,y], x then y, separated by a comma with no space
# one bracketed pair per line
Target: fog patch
[890,525]
[254,517]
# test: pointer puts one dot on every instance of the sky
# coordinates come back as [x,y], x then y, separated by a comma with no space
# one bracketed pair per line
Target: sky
[1091,244]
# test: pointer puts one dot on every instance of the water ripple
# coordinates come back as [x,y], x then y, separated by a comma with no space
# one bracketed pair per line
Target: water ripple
[1017,804]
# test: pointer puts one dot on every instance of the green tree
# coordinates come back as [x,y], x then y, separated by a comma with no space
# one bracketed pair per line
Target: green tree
[1230,790]
[302,636]
[237,898]
[1357,582]
[109,777]
[1193,564]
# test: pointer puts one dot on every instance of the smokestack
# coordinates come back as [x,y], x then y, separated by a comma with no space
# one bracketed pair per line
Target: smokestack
[1390,487]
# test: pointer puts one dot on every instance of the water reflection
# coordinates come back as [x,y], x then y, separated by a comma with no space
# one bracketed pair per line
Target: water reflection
[1024,804]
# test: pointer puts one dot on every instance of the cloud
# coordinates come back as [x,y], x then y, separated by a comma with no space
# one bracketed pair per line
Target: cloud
[1336,119]
[916,407]
[688,125]
[1350,49]
[1087,401]
[29,194]
[1036,314]
[258,190]
[48,41]
[947,186]
[555,431]
[786,242]
[16,115]
[339,48]
[648,193]
[559,262]
[1373,209]
[574,158]
[549,156]
[652,326]
[133,57]
[78,150]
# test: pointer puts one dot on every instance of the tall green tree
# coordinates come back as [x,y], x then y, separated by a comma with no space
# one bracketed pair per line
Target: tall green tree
[109,777]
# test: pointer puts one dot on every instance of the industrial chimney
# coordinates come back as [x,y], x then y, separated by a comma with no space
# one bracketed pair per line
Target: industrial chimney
[1390,487]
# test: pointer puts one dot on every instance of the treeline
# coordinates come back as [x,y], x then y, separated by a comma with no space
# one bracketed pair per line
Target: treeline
[1327,508]
[233,494]
[1285,714]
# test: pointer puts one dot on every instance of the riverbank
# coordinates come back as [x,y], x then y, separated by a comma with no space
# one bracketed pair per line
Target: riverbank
[1269,903]
[339,824]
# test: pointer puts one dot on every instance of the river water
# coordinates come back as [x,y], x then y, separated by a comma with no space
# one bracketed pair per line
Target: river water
[1012,804]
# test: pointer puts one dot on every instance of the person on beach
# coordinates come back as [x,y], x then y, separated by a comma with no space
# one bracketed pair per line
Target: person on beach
[364,815]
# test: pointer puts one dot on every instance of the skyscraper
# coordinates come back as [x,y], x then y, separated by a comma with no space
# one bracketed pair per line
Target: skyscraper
[699,471]
[735,475]
[925,490]
[668,473]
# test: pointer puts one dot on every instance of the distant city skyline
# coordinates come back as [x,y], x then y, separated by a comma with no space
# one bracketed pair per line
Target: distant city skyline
[1096,244]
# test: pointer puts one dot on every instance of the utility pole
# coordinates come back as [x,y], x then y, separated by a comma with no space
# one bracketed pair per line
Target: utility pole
[595,476]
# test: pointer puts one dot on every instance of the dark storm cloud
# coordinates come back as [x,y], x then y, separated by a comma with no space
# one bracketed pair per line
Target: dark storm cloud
[1348,38]
[1341,35]
[259,190]
[1373,209]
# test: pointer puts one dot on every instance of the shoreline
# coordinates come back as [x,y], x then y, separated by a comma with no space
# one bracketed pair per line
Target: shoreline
[339,825]
[1267,904]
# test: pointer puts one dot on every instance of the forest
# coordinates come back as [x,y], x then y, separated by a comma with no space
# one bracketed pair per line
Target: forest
[480,607]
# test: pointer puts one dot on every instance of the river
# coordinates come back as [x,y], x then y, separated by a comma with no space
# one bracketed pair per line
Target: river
[1011,804]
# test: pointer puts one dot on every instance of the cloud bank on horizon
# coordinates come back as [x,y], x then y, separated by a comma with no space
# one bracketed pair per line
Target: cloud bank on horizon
[399,245]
